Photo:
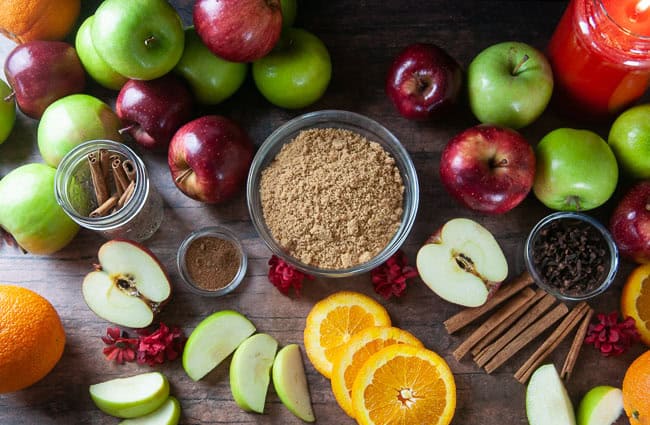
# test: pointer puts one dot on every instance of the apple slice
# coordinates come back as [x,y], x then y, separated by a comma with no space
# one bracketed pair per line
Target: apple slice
[290,382]
[547,401]
[167,414]
[601,405]
[130,286]
[214,339]
[462,263]
[250,371]
[131,397]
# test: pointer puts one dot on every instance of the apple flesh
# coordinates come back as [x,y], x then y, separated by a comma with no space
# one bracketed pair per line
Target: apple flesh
[167,414]
[462,263]
[131,397]
[129,287]
[290,382]
[250,371]
[602,405]
[630,223]
[7,111]
[423,81]
[488,168]
[547,401]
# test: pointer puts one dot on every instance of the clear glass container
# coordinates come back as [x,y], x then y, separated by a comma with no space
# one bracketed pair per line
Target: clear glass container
[137,220]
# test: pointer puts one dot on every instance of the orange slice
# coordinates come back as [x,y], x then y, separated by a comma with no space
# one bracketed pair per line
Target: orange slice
[359,349]
[635,300]
[404,385]
[333,320]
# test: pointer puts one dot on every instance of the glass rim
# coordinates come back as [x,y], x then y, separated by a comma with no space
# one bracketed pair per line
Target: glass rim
[599,4]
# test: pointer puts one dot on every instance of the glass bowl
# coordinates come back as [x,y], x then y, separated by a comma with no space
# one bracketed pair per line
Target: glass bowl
[219,232]
[611,264]
[349,121]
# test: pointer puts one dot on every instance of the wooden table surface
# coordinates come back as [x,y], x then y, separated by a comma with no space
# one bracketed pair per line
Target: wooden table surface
[362,36]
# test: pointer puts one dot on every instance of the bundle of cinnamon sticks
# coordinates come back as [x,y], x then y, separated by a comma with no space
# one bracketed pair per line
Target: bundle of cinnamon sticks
[524,315]
[113,179]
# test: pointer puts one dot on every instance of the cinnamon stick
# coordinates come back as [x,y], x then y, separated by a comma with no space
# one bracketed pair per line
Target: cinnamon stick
[576,345]
[100,186]
[565,327]
[527,336]
[104,208]
[105,162]
[121,181]
[467,316]
[129,169]
[495,320]
[128,192]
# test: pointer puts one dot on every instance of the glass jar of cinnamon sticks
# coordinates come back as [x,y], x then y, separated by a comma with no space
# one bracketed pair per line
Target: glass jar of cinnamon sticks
[104,186]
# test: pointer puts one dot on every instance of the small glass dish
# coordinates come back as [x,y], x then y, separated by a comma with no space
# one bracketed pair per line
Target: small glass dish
[360,124]
[569,219]
[218,232]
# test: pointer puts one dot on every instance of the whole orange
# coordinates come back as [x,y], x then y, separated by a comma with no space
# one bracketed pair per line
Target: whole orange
[26,20]
[31,338]
[636,390]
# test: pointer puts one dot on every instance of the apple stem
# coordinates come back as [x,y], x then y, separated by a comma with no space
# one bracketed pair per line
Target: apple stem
[127,128]
[575,201]
[519,65]
[149,41]
[9,97]
[182,176]
[501,163]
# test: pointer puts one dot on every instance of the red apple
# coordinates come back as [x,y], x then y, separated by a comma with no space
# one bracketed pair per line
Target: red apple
[153,110]
[488,168]
[238,30]
[630,223]
[209,158]
[423,81]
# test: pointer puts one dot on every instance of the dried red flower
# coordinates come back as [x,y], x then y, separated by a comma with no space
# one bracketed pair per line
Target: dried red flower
[120,348]
[160,345]
[612,336]
[390,278]
[284,276]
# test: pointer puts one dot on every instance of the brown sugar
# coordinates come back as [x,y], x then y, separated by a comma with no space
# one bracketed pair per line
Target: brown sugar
[212,263]
[332,198]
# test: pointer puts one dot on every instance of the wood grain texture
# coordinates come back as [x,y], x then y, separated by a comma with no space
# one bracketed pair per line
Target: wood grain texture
[363,37]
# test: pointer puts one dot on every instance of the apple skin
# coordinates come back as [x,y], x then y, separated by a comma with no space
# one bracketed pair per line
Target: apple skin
[154,110]
[72,120]
[602,405]
[167,414]
[488,168]
[94,65]
[41,72]
[30,213]
[576,170]
[209,158]
[142,40]
[7,111]
[211,78]
[423,81]
[630,223]
[238,30]
[507,89]
[629,138]
[296,73]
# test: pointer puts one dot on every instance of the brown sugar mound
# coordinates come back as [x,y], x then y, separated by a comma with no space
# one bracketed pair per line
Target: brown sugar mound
[332,198]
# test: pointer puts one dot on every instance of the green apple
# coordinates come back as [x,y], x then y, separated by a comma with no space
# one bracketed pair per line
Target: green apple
[576,170]
[288,12]
[296,72]
[509,84]
[250,371]
[629,139]
[547,401]
[290,382]
[141,40]
[72,120]
[7,111]
[131,397]
[211,78]
[94,65]
[601,405]
[214,339]
[30,213]
[167,414]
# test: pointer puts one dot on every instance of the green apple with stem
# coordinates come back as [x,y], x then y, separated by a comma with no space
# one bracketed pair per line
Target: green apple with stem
[211,78]
[94,65]
[131,397]
[297,71]
[167,414]
[7,111]
[72,120]
[547,401]
[141,40]
[288,8]
[601,405]
[575,171]
[214,339]
[509,84]
[629,139]
[290,382]
[250,371]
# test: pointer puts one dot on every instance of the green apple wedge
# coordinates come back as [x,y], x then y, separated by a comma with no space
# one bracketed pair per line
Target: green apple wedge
[290,382]
[167,414]
[601,405]
[629,139]
[547,401]
[214,339]
[131,397]
[7,111]
[250,371]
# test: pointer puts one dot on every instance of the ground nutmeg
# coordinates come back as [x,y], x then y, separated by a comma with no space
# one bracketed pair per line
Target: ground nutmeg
[212,262]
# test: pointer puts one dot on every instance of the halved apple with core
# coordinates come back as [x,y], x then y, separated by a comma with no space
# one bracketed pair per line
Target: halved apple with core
[167,414]
[250,371]
[129,287]
[131,397]
[290,382]
[462,263]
